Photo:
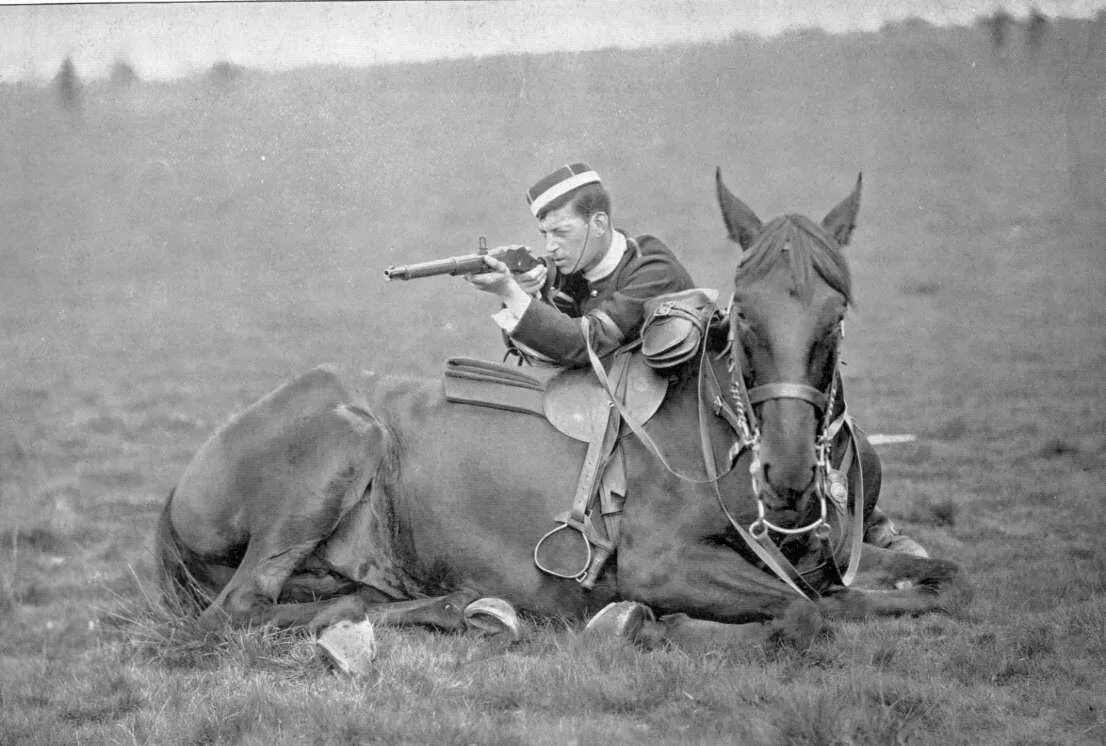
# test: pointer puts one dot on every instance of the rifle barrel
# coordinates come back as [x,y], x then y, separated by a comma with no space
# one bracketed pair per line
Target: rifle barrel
[456,265]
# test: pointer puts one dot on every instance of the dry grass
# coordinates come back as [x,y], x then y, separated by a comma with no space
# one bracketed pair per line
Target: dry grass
[183,248]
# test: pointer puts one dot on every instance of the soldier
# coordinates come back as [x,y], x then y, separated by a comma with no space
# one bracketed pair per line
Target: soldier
[594,271]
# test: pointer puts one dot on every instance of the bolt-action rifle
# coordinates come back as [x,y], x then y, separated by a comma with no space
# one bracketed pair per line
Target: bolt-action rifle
[517,258]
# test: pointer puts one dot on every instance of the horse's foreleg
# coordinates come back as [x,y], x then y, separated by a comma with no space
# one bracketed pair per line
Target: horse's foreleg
[892,583]
[798,626]
[713,583]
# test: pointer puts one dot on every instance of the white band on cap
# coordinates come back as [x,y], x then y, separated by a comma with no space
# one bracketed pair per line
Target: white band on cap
[562,187]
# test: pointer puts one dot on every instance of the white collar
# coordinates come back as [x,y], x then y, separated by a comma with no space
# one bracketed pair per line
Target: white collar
[609,263]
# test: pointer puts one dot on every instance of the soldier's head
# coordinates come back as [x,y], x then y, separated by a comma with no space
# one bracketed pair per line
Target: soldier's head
[573,210]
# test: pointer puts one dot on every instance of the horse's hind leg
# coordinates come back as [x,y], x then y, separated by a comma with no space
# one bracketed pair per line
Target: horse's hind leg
[891,583]
[441,612]
[298,488]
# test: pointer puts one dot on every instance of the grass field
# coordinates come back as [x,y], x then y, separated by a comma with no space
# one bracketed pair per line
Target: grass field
[169,252]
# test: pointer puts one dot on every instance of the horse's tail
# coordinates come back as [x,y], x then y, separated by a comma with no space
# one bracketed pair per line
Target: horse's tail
[179,569]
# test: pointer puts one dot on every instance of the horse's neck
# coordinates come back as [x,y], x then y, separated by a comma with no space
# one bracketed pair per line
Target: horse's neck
[681,417]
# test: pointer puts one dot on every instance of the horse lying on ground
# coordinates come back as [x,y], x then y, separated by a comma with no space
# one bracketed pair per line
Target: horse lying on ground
[345,494]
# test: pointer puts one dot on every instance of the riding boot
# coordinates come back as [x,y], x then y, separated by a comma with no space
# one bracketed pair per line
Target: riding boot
[883,533]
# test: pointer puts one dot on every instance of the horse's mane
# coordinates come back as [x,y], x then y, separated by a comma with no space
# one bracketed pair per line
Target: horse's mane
[809,248]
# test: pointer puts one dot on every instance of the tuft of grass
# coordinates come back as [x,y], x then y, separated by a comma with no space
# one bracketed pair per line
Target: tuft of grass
[1025,652]
[108,699]
[1036,641]
[1086,623]
[854,711]
[232,720]
[806,718]
[164,629]
[884,655]
[891,716]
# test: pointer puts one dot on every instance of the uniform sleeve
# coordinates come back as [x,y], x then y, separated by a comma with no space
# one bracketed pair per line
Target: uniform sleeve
[615,320]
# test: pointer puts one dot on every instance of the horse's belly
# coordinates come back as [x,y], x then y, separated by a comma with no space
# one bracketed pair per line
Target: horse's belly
[473,490]
[486,476]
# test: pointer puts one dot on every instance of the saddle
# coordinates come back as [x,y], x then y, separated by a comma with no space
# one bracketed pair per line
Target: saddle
[574,402]
[567,398]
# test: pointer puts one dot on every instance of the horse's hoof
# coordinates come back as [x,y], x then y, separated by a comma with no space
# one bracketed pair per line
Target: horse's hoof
[621,619]
[493,616]
[350,646]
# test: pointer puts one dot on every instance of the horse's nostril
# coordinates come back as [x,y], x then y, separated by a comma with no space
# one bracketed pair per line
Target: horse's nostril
[810,474]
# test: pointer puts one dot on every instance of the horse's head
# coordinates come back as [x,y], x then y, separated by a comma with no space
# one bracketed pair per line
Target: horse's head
[791,290]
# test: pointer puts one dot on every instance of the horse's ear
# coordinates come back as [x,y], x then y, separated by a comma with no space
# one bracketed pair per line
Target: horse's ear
[841,220]
[741,222]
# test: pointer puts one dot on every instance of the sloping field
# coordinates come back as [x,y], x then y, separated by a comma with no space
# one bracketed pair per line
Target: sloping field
[170,252]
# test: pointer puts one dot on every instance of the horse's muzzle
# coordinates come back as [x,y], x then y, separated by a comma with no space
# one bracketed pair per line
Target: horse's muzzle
[786,498]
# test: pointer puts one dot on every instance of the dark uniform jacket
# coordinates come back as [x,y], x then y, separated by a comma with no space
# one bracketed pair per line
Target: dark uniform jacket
[613,304]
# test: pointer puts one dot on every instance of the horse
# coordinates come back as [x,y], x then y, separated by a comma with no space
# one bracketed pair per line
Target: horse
[349,494]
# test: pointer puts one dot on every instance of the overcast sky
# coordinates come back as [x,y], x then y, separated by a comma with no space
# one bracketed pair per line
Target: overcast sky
[162,40]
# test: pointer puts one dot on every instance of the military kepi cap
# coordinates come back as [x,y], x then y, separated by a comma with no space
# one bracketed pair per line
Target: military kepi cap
[560,182]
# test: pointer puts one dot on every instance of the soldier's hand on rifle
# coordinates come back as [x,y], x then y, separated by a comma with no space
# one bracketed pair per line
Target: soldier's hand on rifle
[499,279]
[496,279]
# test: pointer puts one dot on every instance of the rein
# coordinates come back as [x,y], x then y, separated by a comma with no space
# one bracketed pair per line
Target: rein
[830,482]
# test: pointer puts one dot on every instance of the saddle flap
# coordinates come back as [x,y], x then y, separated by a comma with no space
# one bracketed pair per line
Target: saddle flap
[575,400]
[492,393]
[488,384]
[467,367]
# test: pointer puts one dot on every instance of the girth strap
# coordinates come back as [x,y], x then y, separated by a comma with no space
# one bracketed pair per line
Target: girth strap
[784,390]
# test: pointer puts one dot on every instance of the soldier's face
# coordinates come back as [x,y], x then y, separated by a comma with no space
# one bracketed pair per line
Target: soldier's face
[573,243]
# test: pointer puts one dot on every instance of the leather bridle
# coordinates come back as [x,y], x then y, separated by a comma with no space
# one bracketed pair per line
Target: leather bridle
[830,484]
[738,411]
